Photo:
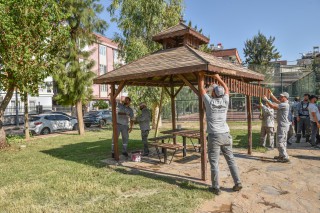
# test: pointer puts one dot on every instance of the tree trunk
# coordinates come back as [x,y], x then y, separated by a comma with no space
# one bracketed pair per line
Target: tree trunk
[26,116]
[155,114]
[80,118]
[3,106]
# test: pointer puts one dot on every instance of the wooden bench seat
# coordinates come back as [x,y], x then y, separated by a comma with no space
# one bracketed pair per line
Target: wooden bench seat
[161,138]
[164,147]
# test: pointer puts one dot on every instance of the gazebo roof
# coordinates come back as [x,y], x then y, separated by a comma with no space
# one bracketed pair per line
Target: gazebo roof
[155,69]
[180,30]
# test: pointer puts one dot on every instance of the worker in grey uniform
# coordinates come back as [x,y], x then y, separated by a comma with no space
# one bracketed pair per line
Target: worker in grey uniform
[267,126]
[303,119]
[219,138]
[294,112]
[282,105]
[124,116]
[315,119]
[144,122]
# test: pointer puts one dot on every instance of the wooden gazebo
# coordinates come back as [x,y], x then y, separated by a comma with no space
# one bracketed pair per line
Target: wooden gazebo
[178,65]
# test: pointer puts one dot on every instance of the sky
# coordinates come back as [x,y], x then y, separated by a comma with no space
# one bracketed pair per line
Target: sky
[294,23]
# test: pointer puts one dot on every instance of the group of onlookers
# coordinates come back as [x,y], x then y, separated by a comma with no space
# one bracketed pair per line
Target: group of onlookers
[302,117]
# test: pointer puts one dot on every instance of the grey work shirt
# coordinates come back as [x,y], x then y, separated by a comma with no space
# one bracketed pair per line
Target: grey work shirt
[144,119]
[124,119]
[267,116]
[283,114]
[216,111]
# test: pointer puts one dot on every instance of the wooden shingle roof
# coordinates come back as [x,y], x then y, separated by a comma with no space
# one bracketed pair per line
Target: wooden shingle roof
[180,30]
[162,67]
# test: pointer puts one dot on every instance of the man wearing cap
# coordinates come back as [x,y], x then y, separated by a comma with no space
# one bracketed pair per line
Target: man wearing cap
[124,114]
[303,119]
[144,122]
[267,126]
[314,118]
[282,106]
[219,138]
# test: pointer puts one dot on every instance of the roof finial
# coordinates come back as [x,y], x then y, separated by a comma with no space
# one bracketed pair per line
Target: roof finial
[181,20]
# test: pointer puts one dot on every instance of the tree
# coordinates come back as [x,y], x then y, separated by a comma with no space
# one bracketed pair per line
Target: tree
[260,50]
[139,20]
[32,34]
[75,80]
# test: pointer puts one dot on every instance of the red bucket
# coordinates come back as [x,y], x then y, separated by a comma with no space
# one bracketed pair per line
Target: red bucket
[136,156]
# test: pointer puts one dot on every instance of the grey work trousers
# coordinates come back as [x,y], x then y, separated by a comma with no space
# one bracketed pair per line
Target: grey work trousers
[214,154]
[267,132]
[282,135]
[124,130]
[304,128]
[144,137]
[314,133]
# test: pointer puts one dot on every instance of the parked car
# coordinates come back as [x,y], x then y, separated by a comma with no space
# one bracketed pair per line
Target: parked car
[98,117]
[63,113]
[48,123]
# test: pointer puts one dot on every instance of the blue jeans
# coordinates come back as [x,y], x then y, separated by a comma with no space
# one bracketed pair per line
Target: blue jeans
[214,154]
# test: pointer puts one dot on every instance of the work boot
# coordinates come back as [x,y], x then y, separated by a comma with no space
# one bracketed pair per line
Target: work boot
[215,191]
[308,139]
[112,155]
[125,154]
[298,139]
[237,187]
[283,160]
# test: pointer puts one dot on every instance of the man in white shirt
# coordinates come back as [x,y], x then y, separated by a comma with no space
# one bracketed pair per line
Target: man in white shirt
[314,118]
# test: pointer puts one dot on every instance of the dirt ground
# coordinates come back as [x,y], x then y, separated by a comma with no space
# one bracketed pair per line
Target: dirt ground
[268,186]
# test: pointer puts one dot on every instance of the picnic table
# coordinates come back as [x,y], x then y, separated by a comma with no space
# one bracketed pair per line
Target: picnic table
[185,133]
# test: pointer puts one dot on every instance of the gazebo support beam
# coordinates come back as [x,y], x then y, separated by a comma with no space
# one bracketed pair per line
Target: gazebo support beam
[202,133]
[173,111]
[114,122]
[189,84]
[249,114]
[121,85]
[177,92]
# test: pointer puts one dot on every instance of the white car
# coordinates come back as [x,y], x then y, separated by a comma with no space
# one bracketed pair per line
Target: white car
[48,123]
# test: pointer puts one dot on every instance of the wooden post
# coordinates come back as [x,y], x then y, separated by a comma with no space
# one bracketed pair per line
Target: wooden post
[173,111]
[114,122]
[249,124]
[202,134]
[160,109]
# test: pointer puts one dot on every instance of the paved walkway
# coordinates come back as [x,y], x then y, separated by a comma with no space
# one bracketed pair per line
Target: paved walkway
[269,186]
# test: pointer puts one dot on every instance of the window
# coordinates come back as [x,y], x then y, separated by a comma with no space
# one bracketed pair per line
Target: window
[61,118]
[102,69]
[103,88]
[102,50]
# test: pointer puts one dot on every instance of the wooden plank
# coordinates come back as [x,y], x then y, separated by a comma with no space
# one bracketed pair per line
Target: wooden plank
[189,84]
[249,124]
[114,123]
[202,134]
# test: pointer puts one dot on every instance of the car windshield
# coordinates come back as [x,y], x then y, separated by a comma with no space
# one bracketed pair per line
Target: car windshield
[34,118]
[93,113]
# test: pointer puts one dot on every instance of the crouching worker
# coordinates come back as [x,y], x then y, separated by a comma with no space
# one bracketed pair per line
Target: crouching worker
[219,138]
[144,122]
[267,126]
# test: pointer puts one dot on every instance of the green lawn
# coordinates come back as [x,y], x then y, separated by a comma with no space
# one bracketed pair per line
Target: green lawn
[64,174]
